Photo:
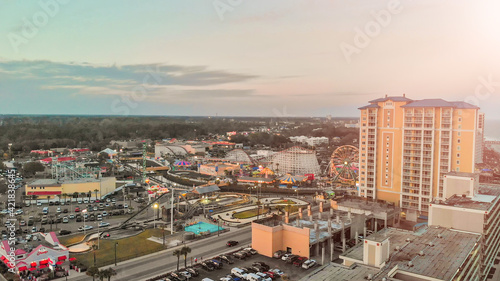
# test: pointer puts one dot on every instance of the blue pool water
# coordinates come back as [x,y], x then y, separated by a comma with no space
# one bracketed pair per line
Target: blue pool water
[202,227]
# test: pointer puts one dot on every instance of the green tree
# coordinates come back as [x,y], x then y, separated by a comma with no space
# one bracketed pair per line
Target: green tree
[31,168]
[185,251]
[178,254]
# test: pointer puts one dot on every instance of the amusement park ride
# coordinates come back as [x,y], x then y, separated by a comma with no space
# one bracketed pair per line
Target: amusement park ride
[344,165]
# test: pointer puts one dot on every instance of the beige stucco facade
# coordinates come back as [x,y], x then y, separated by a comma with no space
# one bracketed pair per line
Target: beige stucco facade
[269,239]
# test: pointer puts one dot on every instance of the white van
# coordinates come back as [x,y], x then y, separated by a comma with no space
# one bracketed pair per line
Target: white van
[253,277]
[238,272]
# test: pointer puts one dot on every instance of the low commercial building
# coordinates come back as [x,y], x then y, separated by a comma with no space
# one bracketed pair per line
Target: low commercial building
[473,207]
[48,254]
[306,234]
[50,188]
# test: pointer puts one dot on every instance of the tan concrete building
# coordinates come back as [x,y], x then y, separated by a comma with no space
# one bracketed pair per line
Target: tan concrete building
[406,147]
[51,187]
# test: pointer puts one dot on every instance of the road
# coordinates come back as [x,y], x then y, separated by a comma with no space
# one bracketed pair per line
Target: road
[162,262]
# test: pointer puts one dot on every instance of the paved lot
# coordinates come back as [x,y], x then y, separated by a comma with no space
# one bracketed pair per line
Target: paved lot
[295,273]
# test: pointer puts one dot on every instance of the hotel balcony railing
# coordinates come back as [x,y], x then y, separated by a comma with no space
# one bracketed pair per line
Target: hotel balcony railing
[371,124]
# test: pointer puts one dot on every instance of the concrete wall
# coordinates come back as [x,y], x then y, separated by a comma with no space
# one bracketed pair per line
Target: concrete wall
[457,218]
[267,240]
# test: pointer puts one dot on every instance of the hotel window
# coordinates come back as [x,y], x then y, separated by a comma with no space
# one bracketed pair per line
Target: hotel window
[385,182]
[458,140]
[458,169]
[387,163]
[460,126]
[458,148]
[459,119]
[387,156]
[459,134]
[458,155]
[458,162]
[364,118]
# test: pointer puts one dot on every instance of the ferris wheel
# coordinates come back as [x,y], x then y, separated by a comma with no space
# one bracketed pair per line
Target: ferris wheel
[344,163]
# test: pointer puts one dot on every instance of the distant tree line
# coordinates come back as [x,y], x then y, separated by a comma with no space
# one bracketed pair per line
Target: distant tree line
[27,133]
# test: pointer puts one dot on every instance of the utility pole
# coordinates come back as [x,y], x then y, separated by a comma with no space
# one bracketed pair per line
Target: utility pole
[172,214]
[144,152]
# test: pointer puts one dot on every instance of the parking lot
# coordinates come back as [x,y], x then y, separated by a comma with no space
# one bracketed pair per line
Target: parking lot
[65,217]
[293,272]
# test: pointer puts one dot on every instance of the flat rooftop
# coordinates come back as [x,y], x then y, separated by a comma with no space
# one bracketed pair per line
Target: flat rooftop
[335,271]
[440,261]
[483,201]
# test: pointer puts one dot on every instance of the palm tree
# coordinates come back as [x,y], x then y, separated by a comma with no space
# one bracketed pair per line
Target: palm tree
[185,251]
[96,190]
[89,194]
[92,271]
[110,273]
[64,195]
[35,197]
[83,194]
[177,253]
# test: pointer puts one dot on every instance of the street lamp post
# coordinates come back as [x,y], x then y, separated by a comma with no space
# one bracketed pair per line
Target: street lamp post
[84,211]
[297,192]
[155,207]
[116,243]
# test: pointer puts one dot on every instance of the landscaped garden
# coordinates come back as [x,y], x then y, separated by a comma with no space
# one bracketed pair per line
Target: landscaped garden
[127,248]
[250,213]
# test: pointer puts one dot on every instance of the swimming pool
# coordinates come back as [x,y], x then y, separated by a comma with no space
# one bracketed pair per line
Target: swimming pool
[202,227]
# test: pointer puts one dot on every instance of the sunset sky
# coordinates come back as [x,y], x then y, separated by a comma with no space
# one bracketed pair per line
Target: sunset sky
[244,57]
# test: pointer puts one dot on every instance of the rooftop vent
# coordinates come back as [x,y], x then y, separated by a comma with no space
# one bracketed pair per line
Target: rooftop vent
[384,279]
[431,244]
[397,249]
[369,277]
[440,235]
[410,264]
[408,240]
[421,253]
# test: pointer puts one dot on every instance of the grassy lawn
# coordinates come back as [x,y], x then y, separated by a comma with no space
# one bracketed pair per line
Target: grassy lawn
[250,213]
[127,248]
[70,239]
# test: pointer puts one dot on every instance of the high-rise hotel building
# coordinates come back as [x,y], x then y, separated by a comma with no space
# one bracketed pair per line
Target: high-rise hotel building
[406,147]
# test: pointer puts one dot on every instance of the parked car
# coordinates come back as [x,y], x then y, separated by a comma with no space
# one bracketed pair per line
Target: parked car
[308,264]
[252,251]
[77,209]
[291,258]
[285,256]
[231,243]
[65,220]
[207,266]
[193,271]
[279,254]
[277,271]
[272,275]
[103,224]
[298,262]
[262,264]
